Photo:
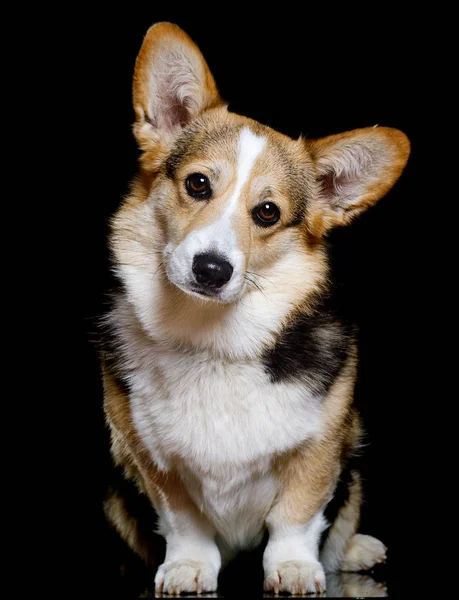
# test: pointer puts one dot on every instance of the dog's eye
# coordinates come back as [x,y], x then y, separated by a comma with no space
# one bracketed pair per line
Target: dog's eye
[198,186]
[266,214]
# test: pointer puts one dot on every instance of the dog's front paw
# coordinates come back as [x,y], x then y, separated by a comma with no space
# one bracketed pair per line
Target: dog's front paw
[295,577]
[178,576]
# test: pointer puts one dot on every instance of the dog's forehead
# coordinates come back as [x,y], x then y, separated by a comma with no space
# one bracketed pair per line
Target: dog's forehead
[218,136]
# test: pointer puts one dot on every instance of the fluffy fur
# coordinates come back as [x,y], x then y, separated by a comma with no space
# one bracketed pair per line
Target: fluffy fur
[231,408]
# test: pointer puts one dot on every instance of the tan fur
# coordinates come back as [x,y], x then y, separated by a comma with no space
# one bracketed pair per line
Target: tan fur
[129,451]
[161,37]
[397,146]
[309,474]
[157,38]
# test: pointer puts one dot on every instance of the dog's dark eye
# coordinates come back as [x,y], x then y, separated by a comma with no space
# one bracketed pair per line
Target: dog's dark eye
[198,186]
[266,214]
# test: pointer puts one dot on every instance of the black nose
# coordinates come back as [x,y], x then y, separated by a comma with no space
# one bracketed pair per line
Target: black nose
[211,270]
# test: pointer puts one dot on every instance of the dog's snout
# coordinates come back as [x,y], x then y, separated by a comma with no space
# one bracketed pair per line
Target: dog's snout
[211,270]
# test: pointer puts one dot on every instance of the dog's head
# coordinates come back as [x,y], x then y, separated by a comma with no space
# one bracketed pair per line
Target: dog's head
[232,199]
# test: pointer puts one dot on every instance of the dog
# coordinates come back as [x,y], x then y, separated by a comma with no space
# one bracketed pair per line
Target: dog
[228,372]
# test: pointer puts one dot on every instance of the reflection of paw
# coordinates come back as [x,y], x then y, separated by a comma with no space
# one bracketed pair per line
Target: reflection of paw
[296,577]
[354,585]
[363,586]
[363,553]
[176,576]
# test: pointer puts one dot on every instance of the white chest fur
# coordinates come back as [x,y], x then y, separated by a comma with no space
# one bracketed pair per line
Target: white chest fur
[221,423]
[214,415]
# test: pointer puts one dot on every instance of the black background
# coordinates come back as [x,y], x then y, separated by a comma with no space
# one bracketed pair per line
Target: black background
[296,75]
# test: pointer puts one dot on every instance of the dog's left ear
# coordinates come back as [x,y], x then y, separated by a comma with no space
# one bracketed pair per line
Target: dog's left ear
[354,170]
[172,85]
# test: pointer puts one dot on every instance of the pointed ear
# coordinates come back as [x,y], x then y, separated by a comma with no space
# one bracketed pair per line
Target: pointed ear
[172,84]
[354,170]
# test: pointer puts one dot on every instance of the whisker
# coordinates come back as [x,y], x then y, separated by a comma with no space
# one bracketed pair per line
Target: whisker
[255,284]
[263,277]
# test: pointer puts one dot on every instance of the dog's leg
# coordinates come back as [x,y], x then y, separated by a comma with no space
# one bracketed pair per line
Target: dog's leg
[192,558]
[291,560]
[343,528]
[295,523]
[308,479]
[344,549]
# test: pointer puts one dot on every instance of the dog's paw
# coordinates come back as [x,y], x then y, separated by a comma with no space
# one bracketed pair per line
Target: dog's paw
[178,576]
[295,577]
[363,553]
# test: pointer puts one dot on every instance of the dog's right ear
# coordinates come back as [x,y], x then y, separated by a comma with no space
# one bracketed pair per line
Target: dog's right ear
[172,84]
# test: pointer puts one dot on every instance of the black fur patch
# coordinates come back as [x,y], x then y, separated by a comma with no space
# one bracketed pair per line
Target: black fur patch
[340,498]
[136,504]
[313,347]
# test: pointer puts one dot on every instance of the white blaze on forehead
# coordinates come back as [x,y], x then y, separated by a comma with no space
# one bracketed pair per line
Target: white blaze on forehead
[249,148]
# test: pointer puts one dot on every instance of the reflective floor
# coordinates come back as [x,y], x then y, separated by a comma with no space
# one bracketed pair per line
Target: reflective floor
[339,585]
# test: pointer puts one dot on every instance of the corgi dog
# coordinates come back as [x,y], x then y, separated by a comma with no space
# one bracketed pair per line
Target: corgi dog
[228,372]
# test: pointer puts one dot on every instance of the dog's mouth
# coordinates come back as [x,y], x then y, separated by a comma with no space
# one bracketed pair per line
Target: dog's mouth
[204,291]
[195,290]
[207,294]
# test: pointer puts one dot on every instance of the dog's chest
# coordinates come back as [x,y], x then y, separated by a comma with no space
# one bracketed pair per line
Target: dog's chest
[212,414]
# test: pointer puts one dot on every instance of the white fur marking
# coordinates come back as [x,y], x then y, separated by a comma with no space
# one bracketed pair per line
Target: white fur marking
[219,236]
[250,147]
